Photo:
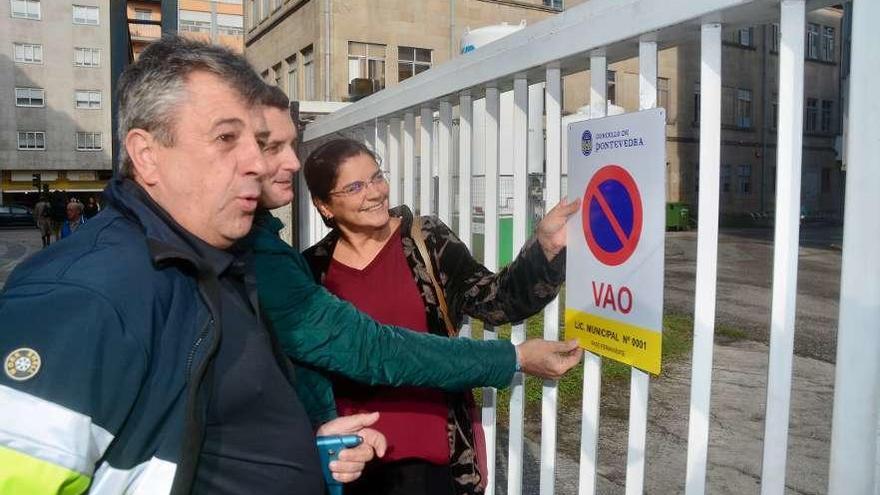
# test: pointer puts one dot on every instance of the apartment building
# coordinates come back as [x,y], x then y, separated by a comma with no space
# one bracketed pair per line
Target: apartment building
[216,21]
[140,33]
[54,97]
[749,114]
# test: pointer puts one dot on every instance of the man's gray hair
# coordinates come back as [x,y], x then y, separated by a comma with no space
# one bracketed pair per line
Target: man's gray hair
[151,90]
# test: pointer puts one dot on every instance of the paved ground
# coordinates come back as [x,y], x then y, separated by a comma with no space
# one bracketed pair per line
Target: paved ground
[15,246]
[735,435]
[745,271]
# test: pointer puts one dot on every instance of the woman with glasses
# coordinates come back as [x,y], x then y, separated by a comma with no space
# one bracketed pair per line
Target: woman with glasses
[414,272]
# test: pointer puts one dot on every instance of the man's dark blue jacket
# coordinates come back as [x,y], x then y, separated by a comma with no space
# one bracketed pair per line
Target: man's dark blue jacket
[107,340]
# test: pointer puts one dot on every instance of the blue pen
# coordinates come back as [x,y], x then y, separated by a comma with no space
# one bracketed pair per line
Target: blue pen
[329,448]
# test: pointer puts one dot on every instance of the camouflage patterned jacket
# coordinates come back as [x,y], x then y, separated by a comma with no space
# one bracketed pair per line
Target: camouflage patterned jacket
[516,292]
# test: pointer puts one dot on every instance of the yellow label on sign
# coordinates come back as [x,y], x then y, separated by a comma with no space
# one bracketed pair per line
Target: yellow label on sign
[635,346]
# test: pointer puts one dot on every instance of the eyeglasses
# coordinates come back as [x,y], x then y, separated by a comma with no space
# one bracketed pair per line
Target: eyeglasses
[356,187]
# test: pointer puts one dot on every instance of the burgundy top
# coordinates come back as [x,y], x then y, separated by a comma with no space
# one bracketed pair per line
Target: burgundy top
[413,419]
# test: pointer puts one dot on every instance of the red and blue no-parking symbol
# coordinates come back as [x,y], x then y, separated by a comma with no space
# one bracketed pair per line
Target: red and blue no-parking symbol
[612,215]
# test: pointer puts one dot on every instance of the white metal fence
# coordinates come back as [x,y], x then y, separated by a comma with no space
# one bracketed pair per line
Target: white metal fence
[590,36]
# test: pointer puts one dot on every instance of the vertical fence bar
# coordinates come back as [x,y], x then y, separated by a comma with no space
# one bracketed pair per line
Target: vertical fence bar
[394,160]
[785,245]
[553,183]
[639,380]
[368,131]
[444,139]
[857,379]
[465,150]
[465,157]
[490,256]
[382,141]
[536,128]
[520,232]
[491,164]
[707,257]
[409,160]
[592,363]
[358,133]
[425,172]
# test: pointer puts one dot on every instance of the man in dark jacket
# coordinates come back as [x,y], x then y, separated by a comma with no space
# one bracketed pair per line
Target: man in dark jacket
[151,371]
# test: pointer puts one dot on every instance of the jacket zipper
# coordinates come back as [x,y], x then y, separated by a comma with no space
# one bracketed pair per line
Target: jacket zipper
[186,467]
[192,352]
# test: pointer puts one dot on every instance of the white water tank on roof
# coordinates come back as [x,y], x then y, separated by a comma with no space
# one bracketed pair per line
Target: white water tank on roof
[475,38]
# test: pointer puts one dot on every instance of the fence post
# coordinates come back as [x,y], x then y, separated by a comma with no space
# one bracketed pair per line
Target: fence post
[409,160]
[394,160]
[553,182]
[707,258]
[490,256]
[639,380]
[465,168]
[786,241]
[520,228]
[425,170]
[854,432]
[444,141]
[592,363]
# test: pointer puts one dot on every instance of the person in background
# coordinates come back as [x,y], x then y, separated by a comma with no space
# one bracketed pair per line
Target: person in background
[58,199]
[43,219]
[75,219]
[91,208]
[414,272]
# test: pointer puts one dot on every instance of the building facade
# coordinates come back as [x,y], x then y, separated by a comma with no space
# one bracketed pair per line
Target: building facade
[216,21]
[749,112]
[140,35]
[55,98]
[340,50]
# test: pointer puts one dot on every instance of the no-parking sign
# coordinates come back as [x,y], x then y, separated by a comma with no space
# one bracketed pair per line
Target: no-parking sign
[614,289]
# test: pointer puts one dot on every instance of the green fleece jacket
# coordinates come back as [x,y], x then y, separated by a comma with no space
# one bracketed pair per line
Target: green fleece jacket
[321,332]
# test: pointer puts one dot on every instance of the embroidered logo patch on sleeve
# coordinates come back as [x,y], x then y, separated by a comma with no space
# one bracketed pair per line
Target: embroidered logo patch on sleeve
[22,364]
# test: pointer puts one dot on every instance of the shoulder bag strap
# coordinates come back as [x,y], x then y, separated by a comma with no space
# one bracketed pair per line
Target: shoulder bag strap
[416,233]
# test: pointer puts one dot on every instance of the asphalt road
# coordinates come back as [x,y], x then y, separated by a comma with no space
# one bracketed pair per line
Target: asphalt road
[745,272]
[16,244]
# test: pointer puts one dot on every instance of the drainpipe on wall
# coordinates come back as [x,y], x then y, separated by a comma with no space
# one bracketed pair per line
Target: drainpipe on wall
[213,22]
[169,16]
[327,41]
[765,104]
[120,50]
[843,98]
[452,43]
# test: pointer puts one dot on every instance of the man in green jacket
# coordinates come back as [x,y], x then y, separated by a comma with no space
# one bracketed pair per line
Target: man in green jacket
[321,332]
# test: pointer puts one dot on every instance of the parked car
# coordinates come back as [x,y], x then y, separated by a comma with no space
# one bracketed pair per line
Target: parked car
[16,216]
